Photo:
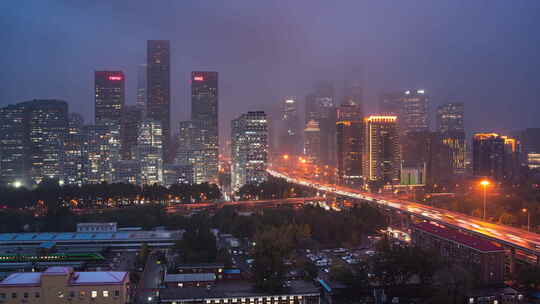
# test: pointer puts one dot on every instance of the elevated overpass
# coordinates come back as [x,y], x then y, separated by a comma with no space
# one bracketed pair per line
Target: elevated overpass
[527,243]
[246,204]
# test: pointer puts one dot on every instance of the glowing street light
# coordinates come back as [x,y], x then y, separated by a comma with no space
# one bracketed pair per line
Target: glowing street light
[17,184]
[528,218]
[285,156]
[485,183]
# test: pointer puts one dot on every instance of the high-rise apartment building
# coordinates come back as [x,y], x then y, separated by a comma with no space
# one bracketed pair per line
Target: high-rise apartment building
[109,97]
[158,89]
[150,151]
[290,139]
[204,112]
[320,107]
[74,158]
[495,156]
[132,117]
[381,150]
[312,142]
[249,149]
[450,126]
[349,143]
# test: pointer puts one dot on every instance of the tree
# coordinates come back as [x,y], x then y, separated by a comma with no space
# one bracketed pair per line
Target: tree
[272,247]
[143,254]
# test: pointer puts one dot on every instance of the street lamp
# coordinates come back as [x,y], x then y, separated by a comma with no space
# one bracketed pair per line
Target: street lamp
[485,184]
[528,218]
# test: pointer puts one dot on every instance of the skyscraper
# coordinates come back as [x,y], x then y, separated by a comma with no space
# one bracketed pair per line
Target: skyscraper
[450,126]
[141,87]
[530,141]
[33,134]
[74,158]
[189,151]
[410,106]
[14,146]
[249,149]
[381,150]
[109,97]
[320,107]
[312,142]
[290,138]
[158,89]
[349,143]
[495,156]
[150,151]
[204,112]
[132,117]
[47,126]
[101,151]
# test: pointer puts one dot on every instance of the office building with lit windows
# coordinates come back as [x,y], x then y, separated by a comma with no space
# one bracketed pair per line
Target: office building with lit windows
[150,152]
[141,87]
[158,88]
[495,156]
[312,142]
[109,97]
[349,143]
[410,106]
[63,285]
[33,137]
[530,143]
[381,159]
[14,146]
[74,158]
[127,171]
[101,150]
[47,130]
[450,126]
[132,117]
[204,112]
[249,149]
[290,136]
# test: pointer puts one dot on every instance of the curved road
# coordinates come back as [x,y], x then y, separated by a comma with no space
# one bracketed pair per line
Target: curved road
[510,236]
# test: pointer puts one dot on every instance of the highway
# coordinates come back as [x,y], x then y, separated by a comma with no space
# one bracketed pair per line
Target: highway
[523,240]
[248,203]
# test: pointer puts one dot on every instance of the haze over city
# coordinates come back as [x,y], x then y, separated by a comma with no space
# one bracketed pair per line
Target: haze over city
[481,53]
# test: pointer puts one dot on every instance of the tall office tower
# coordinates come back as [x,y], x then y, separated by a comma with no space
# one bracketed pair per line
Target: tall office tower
[349,143]
[101,150]
[312,142]
[204,111]
[381,150]
[132,117]
[109,97]
[158,89]
[411,107]
[530,143]
[47,126]
[427,153]
[495,156]
[450,126]
[74,158]
[249,149]
[14,146]
[150,151]
[141,87]
[320,107]
[414,116]
[189,152]
[290,138]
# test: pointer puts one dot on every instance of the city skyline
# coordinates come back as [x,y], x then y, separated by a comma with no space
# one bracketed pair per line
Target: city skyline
[467,76]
